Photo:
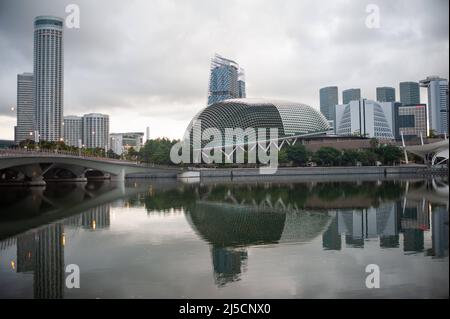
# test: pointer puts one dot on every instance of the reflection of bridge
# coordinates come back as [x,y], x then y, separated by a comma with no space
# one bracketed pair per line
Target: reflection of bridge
[32,167]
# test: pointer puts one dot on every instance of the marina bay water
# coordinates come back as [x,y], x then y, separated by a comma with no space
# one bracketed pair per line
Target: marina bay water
[265,237]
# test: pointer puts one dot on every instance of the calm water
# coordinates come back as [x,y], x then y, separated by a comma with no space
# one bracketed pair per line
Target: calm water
[217,239]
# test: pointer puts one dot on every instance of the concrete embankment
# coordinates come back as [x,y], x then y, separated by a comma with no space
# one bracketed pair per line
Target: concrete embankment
[320,171]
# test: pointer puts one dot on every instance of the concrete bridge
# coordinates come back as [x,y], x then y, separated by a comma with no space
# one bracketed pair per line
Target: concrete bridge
[33,168]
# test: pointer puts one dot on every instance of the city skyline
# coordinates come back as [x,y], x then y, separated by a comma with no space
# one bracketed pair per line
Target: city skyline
[102,78]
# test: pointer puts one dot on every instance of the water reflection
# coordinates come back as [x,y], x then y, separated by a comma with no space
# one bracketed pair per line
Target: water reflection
[230,217]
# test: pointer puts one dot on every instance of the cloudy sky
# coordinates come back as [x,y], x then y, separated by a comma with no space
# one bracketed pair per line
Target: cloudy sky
[146,63]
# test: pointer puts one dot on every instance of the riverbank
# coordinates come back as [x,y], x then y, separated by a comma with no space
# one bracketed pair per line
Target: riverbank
[411,170]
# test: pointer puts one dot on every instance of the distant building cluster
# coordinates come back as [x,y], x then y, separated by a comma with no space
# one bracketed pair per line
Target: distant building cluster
[90,130]
[386,118]
[40,111]
[40,100]
[122,142]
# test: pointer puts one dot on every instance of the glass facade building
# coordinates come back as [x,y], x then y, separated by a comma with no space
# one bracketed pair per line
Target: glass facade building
[328,102]
[227,80]
[25,111]
[385,94]
[48,77]
[409,93]
[351,95]
[437,103]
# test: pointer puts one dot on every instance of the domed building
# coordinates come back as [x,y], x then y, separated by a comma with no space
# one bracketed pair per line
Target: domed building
[289,118]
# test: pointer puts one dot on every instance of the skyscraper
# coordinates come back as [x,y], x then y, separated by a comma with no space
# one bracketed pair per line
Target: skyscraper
[350,95]
[72,130]
[328,102]
[227,80]
[95,130]
[25,110]
[437,103]
[48,77]
[409,93]
[385,94]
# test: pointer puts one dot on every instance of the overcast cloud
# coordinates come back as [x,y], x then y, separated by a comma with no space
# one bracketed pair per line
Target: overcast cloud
[146,63]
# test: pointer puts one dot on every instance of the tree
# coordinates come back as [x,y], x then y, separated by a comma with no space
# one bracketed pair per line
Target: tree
[327,156]
[389,154]
[157,151]
[297,154]
[350,157]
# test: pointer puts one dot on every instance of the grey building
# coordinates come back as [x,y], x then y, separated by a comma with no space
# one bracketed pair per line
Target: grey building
[437,103]
[410,121]
[328,101]
[385,94]
[95,130]
[350,95]
[409,93]
[73,130]
[227,80]
[25,109]
[48,72]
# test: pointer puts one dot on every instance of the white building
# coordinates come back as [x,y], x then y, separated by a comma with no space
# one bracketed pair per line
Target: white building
[365,118]
[25,110]
[121,142]
[48,77]
[95,130]
[73,130]
[437,103]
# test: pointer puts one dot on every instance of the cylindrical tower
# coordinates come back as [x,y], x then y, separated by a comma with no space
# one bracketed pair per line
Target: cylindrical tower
[48,77]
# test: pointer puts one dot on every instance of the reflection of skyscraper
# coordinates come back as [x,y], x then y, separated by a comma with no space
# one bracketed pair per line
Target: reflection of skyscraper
[413,240]
[331,239]
[440,231]
[96,218]
[26,250]
[369,223]
[42,252]
[228,264]
[49,271]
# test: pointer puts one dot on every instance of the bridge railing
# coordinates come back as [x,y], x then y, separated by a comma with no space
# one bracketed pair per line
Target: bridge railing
[14,152]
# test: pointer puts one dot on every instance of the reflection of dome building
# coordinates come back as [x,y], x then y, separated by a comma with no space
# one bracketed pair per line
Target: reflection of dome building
[289,118]
[231,227]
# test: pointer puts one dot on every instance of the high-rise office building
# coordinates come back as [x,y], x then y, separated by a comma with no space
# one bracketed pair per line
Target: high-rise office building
[227,80]
[73,130]
[350,95]
[410,121]
[437,103]
[25,111]
[328,101]
[48,77]
[95,130]
[409,93]
[385,94]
